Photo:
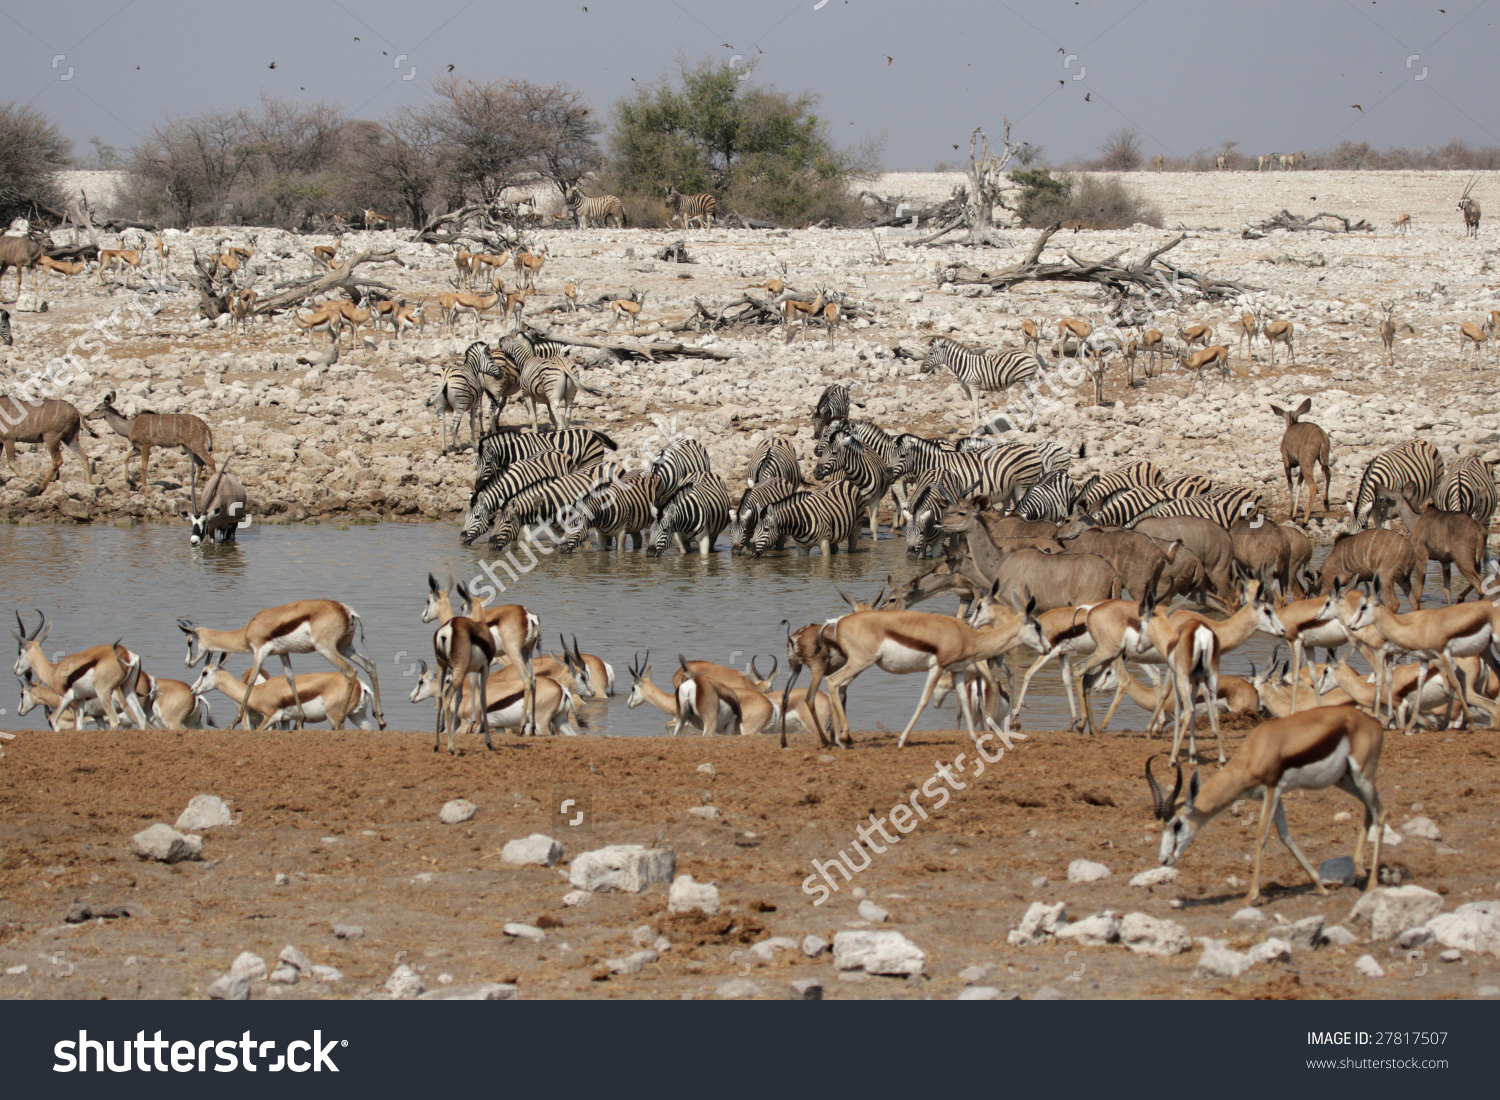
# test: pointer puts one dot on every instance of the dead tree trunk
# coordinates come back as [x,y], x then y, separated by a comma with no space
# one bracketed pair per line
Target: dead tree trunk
[986,179]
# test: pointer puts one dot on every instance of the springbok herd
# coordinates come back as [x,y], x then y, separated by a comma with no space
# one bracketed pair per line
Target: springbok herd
[1067,543]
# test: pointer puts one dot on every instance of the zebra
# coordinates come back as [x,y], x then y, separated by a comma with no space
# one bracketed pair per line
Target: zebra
[847,458]
[695,515]
[691,208]
[459,391]
[832,407]
[1415,462]
[614,515]
[676,464]
[1003,474]
[498,378]
[521,347]
[601,209]
[1133,475]
[1051,498]
[1055,456]
[1189,485]
[752,506]
[520,475]
[550,381]
[499,448]
[878,441]
[546,503]
[1222,506]
[1124,506]
[827,518]
[5,336]
[773,456]
[931,495]
[977,369]
[1467,485]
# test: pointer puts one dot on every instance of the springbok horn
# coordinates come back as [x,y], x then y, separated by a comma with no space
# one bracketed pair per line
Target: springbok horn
[754,672]
[1156,792]
[774,665]
[41,621]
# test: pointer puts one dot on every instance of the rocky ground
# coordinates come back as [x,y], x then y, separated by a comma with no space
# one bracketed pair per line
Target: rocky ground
[356,439]
[341,829]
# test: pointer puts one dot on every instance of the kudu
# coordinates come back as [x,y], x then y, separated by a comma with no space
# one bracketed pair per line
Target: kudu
[1304,446]
[146,430]
[51,425]
[1450,538]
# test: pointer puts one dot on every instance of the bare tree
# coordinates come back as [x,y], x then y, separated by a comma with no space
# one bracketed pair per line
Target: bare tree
[986,182]
[487,143]
[398,158]
[32,151]
[564,130]
[194,161]
[1121,151]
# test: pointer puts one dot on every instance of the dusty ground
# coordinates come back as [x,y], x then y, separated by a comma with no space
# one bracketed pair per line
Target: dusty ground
[354,821]
[357,440]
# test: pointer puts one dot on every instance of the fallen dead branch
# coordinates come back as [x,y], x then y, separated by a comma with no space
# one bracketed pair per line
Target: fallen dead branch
[1295,223]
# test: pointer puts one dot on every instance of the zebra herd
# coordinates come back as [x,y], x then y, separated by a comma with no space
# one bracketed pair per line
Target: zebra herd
[526,365]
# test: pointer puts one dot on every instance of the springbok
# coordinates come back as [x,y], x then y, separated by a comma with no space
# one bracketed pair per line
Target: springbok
[96,673]
[528,265]
[514,630]
[700,701]
[507,703]
[793,309]
[1471,334]
[325,627]
[313,697]
[1313,750]
[629,308]
[1279,332]
[1402,224]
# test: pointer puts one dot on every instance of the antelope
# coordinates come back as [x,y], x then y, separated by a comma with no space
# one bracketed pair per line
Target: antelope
[326,318]
[50,424]
[1072,326]
[570,292]
[1304,445]
[833,315]
[454,304]
[79,715]
[1313,750]
[507,704]
[146,430]
[1279,332]
[515,631]
[352,318]
[159,247]
[241,307]
[515,305]
[1387,330]
[1151,344]
[403,317]
[1402,224]
[1450,538]
[125,260]
[222,511]
[1248,327]
[1414,691]
[915,641]
[792,309]
[173,704]
[1435,636]
[313,697]
[375,221]
[496,264]
[463,259]
[96,673]
[325,254]
[701,700]
[814,647]
[1236,695]
[1491,325]
[1159,162]
[757,710]
[528,265]
[224,261]
[1196,334]
[629,308]
[463,648]
[1469,207]
[1060,633]
[325,627]
[1221,162]
[48,265]
[1310,624]
[1030,336]
[1218,353]
[21,253]
[1471,334]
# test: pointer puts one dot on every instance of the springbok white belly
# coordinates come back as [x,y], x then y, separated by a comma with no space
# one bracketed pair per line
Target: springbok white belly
[1320,773]
[299,640]
[893,656]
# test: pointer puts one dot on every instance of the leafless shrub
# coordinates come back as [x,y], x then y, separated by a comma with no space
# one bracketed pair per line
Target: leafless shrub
[1121,151]
[32,150]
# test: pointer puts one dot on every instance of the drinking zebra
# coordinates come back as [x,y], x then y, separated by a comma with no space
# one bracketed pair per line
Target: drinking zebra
[691,208]
[1001,473]
[847,460]
[1468,486]
[584,447]
[752,506]
[1051,498]
[626,510]
[1415,462]
[931,495]
[1222,506]
[876,440]
[548,505]
[977,369]
[495,494]
[773,456]
[694,515]
[825,518]
[600,209]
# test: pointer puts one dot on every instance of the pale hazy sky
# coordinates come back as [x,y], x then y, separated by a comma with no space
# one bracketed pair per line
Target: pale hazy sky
[1271,75]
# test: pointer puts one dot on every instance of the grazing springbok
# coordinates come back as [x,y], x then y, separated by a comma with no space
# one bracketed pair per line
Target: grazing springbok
[1313,750]
[51,425]
[222,511]
[173,704]
[1473,336]
[146,430]
[325,627]
[312,697]
[96,673]
[1402,224]
[1304,446]
[507,703]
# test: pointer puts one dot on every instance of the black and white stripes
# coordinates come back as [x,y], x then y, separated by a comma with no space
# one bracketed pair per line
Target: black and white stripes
[692,517]
[977,369]
[1415,462]
[823,519]
[691,208]
[1468,486]
[600,209]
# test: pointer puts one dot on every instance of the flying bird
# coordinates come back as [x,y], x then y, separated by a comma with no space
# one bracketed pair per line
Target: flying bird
[1059,81]
[450,68]
[356,38]
[955,147]
[727,46]
[1088,97]
[1357,107]
[273,64]
[888,59]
